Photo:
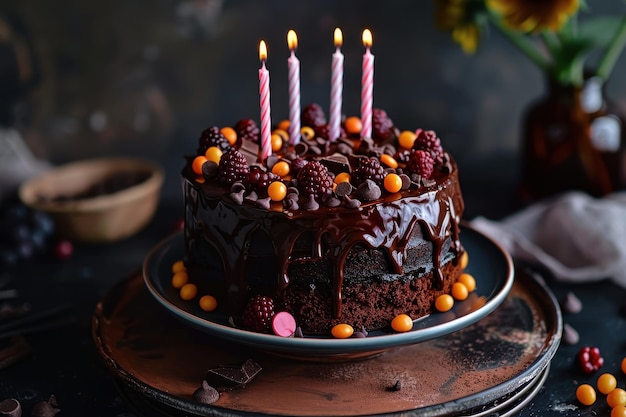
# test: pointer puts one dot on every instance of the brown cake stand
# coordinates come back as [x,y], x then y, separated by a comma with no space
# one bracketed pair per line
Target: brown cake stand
[495,365]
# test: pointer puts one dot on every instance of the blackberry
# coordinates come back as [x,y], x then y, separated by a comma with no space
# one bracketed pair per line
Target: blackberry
[314,179]
[258,313]
[427,140]
[247,129]
[322,131]
[233,167]
[368,169]
[382,126]
[212,137]
[313,115]
[421,163]
[259,179]
[297,164]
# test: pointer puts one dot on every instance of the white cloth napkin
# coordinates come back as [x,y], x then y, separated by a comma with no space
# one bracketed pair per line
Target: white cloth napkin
[577,237]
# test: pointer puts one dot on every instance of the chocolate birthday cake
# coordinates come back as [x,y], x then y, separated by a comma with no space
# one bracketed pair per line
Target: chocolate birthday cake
[352,230]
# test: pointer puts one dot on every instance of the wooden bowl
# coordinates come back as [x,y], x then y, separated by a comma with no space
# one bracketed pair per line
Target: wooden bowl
[97,200]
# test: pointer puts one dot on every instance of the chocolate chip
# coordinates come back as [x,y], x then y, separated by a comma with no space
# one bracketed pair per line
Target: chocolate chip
[234,375]
[298,332]
[291,204]
[310,203]
[209,169]
[206,394]
[571,304]
[10,408]
[570,335]
[406,181]
[46,408]
[301,148]
[252,197]
[343,189]
[369,191]
[332,202]
[351,202]
[271,161]
[237,197]
[237,186]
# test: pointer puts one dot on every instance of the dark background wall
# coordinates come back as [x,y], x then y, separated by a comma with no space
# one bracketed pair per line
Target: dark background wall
[145,77]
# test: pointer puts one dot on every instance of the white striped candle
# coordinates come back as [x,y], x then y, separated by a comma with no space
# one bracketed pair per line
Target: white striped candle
[336,87]
[294,89]
[367,86]
[264,93]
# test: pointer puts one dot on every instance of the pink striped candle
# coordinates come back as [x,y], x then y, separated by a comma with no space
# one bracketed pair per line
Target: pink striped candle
[367,86]
[264,93]
[336,87]
[294,89]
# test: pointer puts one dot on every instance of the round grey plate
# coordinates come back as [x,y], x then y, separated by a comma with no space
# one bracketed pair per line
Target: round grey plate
[489,263]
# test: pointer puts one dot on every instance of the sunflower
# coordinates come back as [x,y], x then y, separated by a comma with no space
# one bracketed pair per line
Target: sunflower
[462,19]
[535,15]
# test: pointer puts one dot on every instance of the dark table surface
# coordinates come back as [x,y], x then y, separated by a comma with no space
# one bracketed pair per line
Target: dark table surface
[64,361]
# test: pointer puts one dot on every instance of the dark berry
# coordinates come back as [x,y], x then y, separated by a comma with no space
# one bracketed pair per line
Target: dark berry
[258,313]
[368,169]
[297,164]
[233,167]
[259,179]
[212,137]
[247,129]
[402,156]
[313,115]
[589,359]
[420,163]
[63,249]
[382,126]
[427,140]
[322,131]
[314,179]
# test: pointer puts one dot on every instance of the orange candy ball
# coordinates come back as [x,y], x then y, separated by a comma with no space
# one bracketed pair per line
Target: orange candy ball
[459,291]
[342,177]
[402,323]
[213,154]
[606,383]
[188,291]
[342,331]
[281,168]
[393,183]
[444,303]
[406,139]
[624,365]
[616,397]
[585,394]
[277,191]
[389,161]
[464,260]
[353,125]
[284,125]
[277,142]
[619,411]
[197,163]
[468,280]
[230,134]
[179,279]
[178,266]
[208,303]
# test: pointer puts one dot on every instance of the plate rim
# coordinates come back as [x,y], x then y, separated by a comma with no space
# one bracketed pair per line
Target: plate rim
[330,346]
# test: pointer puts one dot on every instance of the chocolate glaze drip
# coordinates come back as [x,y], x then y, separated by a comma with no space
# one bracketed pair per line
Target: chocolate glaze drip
[386,224]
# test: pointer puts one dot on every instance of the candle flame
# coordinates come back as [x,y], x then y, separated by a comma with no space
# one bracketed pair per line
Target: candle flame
[367,38]
[262,51]
[292,40]
[338,37]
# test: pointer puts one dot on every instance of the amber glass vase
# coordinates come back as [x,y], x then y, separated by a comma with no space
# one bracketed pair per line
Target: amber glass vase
[573,139]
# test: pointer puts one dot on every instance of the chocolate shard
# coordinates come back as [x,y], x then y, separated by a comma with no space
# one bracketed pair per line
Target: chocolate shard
[336,163]
[233,375]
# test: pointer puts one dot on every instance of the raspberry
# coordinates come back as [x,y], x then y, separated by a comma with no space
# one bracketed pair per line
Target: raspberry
[368,169]
[247,130]
[382,126]
[314,179]
[212,137]
[258,313]
[313,115]
[258,179]
[589,359]
[420,163]
[233,167]
[427,140]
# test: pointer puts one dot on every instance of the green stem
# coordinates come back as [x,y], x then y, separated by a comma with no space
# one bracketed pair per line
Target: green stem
[522,43]
[608,60]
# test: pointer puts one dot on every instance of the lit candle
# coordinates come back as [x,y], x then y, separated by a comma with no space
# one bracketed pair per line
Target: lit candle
[367,86]
[294,89]
[264,93]
[336,87]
